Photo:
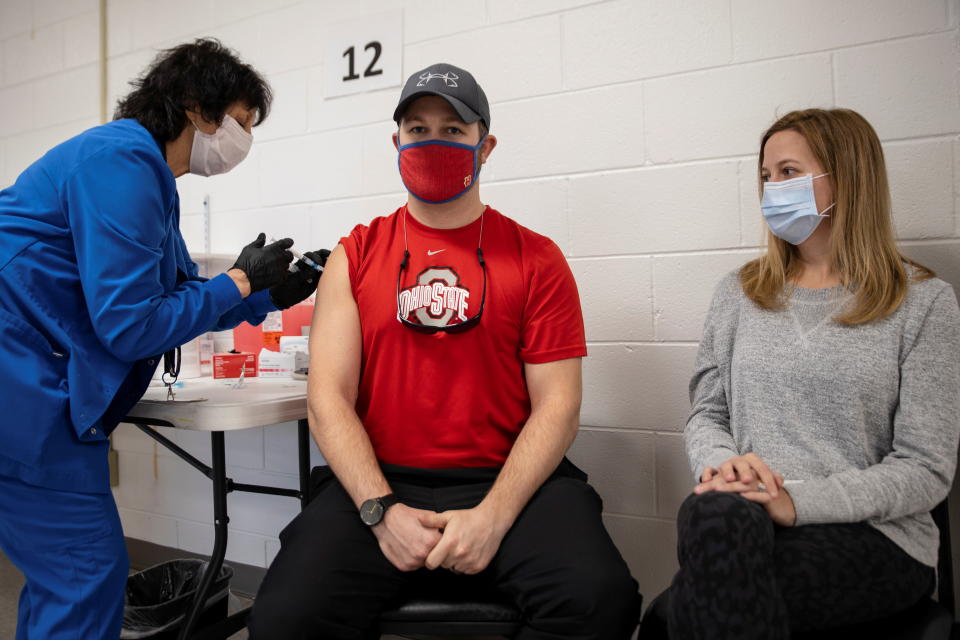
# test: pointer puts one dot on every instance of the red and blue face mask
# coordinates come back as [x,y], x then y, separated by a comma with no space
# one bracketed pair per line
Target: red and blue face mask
[437,171]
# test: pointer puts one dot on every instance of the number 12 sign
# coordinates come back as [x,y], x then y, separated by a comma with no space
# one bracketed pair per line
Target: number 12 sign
[363,55]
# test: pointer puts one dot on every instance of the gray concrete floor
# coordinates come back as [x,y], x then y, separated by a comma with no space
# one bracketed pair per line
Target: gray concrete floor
[11,580]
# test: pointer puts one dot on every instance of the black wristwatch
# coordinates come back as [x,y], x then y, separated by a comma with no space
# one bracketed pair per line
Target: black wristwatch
[373,510]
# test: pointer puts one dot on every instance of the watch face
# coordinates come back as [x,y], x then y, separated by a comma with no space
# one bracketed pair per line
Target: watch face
[371,512]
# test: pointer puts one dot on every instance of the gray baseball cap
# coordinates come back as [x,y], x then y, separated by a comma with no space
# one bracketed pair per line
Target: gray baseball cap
[453,84]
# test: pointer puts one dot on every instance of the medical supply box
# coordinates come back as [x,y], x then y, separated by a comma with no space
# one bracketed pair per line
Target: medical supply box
[229,365]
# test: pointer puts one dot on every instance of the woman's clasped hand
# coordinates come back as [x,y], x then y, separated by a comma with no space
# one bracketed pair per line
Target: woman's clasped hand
[750,476]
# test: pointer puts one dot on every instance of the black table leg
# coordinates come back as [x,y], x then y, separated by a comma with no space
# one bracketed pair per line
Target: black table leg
[220,521]
[303,449]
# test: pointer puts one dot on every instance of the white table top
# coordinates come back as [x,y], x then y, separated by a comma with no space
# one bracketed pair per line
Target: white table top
[259,402]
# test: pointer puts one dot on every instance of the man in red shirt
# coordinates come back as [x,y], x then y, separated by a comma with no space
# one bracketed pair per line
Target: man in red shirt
[445,391]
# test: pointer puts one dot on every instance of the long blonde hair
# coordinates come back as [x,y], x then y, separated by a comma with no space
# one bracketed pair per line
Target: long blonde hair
[863,247]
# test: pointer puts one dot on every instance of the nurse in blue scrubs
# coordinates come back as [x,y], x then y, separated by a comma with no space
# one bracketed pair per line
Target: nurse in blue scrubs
[95,285]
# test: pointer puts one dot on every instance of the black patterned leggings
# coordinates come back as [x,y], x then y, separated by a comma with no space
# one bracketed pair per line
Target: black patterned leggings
[743,577]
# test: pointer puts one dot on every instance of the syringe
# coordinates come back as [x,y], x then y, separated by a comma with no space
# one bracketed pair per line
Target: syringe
[302,258]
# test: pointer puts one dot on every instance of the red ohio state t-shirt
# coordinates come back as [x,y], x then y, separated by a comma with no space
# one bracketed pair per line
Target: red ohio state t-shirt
[446,401]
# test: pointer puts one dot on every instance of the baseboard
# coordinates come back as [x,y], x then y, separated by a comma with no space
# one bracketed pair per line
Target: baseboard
[246,578]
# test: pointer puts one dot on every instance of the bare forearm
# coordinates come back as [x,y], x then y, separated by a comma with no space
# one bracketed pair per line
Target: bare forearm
[346,447]
[535,455]
[240,279]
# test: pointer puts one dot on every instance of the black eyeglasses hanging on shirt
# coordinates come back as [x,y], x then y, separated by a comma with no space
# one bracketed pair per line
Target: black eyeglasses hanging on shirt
[458,327]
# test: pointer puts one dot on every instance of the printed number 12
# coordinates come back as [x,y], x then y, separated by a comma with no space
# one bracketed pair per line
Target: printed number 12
[369,71]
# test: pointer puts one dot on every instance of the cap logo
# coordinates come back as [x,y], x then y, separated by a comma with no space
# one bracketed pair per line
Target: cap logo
[449,78]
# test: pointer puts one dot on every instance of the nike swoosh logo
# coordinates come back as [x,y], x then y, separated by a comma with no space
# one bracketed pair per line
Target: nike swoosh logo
[433,253]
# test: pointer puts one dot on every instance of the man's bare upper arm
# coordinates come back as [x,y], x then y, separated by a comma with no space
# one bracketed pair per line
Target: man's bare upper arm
[335,339]
[558,381]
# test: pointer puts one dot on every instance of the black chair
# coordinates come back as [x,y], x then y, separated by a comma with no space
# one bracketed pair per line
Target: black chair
[926,620]
[451,610]
[439,610]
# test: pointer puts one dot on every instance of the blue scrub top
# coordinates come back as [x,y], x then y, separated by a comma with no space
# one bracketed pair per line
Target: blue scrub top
[95,284]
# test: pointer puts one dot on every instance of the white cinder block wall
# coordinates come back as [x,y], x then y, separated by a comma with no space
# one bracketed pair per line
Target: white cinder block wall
[628,133]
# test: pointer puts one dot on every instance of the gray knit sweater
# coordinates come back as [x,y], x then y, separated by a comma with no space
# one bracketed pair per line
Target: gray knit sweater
[863,420]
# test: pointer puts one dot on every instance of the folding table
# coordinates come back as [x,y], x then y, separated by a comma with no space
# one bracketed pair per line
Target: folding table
[217,406]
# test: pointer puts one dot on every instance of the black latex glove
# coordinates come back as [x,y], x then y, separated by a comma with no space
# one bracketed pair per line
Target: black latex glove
[299,284]
[267,265]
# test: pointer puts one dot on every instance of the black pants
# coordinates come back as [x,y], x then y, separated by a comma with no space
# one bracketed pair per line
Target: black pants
[331,580]
[743,577]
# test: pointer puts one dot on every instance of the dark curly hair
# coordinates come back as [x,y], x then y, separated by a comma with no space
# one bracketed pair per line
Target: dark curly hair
[203,75]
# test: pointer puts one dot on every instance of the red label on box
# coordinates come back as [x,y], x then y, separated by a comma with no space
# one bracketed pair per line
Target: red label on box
[228,365]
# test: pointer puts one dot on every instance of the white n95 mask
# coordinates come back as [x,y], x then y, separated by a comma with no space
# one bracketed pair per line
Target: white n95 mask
[220,151]
[790,208]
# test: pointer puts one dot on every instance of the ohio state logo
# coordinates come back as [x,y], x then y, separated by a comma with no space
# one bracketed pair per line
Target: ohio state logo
[436,298]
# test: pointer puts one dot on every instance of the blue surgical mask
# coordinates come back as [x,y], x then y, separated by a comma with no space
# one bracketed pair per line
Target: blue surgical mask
[790,208]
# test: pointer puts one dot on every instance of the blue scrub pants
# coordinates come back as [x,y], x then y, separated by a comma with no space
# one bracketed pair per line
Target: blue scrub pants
[71,549]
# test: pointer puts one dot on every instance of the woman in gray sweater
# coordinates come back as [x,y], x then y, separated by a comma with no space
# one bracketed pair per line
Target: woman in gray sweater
[826,405]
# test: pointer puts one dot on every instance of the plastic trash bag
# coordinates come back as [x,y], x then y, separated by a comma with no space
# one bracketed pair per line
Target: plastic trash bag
[158,599]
